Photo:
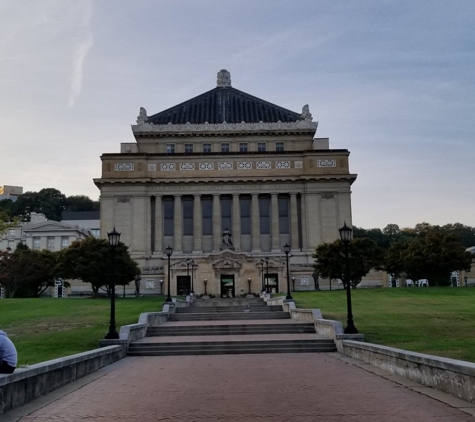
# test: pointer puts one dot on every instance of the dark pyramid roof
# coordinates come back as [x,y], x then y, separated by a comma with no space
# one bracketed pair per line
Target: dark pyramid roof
[224,103]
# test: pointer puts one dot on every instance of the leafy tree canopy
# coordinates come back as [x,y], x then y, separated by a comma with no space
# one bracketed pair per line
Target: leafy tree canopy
[81,203]
[90,260]
[51,202]
[364,255]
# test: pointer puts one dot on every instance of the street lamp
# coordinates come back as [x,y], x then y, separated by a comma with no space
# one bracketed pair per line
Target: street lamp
[465,279]
[188,263]
[345,235]
[249,281]
[267,274]
[169,254]
[261,262]
[287,250]
[293,284]
[193,265]
[114,237]
[161,286]
[205,281]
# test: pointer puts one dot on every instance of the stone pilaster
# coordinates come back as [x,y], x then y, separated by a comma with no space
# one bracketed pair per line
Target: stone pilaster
[158,225]
[274,222]
[303,206]
[216,223]
[255,223]
[178,224]
[236,226]
[197,222]
[294,224]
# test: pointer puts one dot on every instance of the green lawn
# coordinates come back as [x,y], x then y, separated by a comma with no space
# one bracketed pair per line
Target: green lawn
[438,321]
[44,329]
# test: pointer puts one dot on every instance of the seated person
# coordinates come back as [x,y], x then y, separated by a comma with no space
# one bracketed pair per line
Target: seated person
[8,354]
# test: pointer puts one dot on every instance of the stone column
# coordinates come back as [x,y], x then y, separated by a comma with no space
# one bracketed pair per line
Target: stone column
[216,222]
[178,224]
[158,225]
[255,223]
[197,223]
[236,218]
[294,224]
[274,222]
[140,229]
[303,208]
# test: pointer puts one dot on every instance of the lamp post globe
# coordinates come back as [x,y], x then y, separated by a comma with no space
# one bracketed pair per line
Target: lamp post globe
[287,250]
[169,251]
[345,236]
[114,237]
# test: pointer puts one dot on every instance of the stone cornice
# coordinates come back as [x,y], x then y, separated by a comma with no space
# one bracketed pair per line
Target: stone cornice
[243,127]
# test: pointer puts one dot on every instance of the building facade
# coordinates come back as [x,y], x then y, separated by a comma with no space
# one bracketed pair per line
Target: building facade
[225,180]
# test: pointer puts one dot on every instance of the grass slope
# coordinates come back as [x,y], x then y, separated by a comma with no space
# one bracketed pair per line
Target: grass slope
[437,321]
[44,329]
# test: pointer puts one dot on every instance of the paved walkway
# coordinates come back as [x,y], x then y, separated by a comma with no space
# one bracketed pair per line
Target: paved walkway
[272,387]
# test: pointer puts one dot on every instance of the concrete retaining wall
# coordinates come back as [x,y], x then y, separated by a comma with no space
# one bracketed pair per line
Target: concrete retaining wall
[27,384]
[451,376]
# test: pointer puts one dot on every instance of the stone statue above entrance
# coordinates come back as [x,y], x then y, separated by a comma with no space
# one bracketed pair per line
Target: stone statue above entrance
[227,242]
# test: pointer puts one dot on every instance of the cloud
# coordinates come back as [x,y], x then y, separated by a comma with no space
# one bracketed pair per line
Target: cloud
[76,76]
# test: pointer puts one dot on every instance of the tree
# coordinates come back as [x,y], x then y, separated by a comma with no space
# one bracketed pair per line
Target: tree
[364,255]
[81,203]
[6,206]
[90,260]
[433,256]
[51,202]
[6,222]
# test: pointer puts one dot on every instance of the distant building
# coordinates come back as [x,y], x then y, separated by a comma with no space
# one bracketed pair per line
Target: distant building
[10,192]
[89,220]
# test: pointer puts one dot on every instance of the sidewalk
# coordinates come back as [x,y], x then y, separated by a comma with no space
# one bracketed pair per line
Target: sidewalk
[273,387]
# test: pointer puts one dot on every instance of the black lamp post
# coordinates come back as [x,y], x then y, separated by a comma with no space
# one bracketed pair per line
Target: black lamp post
[161,287]
[205,281]
[188,263]
[169,254]
[267,274]
[114,237]
[287,250]
[261,262]
[345,235]
[249,281]
[465,279]
[293,284]
[193,265]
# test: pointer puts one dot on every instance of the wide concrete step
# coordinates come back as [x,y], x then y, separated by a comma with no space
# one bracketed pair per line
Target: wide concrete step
[227,303]
[222,316]
[231,347]
[254,329]
[220,309]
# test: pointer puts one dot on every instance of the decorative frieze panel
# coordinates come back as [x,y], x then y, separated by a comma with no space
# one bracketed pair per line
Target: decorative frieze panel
[206,166]
[187,166]
[326,163]
[167,167]
[328,195]
[152,167]
[124,198]
[244,165]
[282,164]
[225,166]
[304,281]
[263,165]
[150,284]
[298,164]
[124,167]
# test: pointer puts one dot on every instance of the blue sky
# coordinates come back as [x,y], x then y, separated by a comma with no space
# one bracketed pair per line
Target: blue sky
[392,81]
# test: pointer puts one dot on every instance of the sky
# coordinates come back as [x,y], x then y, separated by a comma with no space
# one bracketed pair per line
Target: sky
[391,81]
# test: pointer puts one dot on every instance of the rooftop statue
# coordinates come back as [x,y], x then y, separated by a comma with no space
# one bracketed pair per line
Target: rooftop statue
[142,117]
[306,115]
[224,78]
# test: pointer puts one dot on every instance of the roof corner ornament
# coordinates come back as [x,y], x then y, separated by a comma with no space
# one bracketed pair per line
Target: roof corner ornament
[142,117]
[224,78]
[306,115]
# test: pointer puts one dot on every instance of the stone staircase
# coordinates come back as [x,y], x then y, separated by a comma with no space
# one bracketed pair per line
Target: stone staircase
[230,326]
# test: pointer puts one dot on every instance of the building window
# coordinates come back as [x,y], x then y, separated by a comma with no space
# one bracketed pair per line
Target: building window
[96,232]
[168,216]
[207,212]
[11,232]
[187,216]
[64,242]
[206,148]
[279,146]
[261,146]
[243,147]
[188,148]
[225,147]
[284,215]
[226,205]
[50,244]
[264,214]
[245,203]
[170,148]
[36,243]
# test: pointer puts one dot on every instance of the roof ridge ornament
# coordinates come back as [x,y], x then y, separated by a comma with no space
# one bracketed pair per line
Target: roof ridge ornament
[306,115]
[142,117]
[224,78]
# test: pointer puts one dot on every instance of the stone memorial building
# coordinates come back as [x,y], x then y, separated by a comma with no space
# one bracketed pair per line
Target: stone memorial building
[225,179]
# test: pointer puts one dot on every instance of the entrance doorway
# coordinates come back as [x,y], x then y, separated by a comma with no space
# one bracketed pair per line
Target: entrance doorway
[227,286]
[272,283]
[183,285]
